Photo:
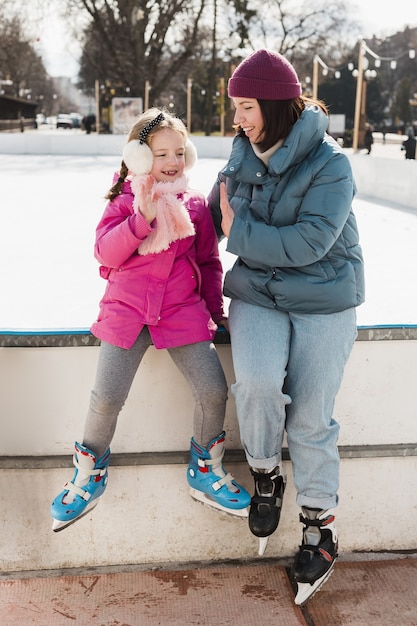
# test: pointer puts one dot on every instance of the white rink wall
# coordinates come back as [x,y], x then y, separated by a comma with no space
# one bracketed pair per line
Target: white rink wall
[146,515]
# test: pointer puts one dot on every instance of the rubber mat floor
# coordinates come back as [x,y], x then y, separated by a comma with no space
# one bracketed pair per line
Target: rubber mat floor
[359,593]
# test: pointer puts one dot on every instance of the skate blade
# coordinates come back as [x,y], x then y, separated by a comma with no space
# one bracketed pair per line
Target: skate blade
[58,525]
[199,496]
[263,542]
[305,591]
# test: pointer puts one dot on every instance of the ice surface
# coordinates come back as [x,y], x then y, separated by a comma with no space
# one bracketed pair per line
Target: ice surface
[50,206]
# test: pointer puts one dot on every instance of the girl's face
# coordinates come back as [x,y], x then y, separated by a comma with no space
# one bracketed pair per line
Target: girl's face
[168,151]
[248,115]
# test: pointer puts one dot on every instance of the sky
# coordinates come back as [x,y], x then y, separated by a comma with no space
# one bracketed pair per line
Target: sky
[385,18]
[377,17]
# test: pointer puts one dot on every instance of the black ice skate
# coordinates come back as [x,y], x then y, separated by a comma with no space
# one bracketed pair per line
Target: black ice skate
[317,555]
[266,504]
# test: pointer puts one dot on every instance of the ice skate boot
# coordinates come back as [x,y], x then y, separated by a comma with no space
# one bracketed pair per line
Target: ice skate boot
[81,495]
[317,555]
[211,484]
[266,504]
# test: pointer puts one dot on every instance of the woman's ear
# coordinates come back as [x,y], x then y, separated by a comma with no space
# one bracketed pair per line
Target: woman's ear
[138,157]
[190,155]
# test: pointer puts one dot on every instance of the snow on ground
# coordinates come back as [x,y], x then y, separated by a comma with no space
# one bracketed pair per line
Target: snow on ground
[50,206]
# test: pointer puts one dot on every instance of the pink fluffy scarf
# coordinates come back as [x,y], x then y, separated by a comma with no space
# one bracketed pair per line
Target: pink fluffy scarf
[172,221]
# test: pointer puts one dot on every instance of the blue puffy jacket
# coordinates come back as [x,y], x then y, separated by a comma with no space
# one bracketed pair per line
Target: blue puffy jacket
[294,231]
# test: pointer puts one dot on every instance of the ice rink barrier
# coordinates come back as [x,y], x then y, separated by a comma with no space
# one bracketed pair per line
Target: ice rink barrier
[146,514]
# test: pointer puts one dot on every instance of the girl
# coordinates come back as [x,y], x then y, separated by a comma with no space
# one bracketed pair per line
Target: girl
[158,251]
[284,200]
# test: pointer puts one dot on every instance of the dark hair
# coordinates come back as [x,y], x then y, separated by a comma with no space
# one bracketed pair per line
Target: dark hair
[279,117]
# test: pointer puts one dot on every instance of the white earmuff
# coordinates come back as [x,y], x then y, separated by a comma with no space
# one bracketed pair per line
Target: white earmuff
[138,157]
[190,155]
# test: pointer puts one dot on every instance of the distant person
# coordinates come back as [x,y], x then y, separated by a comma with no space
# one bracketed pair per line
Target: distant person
[369,139]
[284,202]
[409,145]
[87,123]
[158,250]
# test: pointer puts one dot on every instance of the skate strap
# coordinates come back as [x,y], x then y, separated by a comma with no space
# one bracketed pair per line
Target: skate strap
[209,462]
[90,472]
[216,463]
[318,523]
[271,500]
[317,550]
[85,495]
[226,480]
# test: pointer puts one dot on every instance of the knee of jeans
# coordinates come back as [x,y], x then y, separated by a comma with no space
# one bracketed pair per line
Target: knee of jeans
[260,383]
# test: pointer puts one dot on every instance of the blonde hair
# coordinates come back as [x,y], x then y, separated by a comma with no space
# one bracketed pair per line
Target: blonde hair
[144,120]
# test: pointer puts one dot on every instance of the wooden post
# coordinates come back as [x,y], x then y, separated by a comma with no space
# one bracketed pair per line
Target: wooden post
[189,86]
[359,82]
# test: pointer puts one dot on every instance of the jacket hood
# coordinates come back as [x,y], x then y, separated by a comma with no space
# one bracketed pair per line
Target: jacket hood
[307,133]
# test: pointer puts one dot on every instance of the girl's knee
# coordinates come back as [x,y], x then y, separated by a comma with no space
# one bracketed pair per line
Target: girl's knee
[105,405]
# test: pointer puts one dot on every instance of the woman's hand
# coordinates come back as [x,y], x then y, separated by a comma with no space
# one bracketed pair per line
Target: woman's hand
[227,211]
[147,204]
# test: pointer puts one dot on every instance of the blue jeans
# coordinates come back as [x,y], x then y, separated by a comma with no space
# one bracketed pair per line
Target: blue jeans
[288,370]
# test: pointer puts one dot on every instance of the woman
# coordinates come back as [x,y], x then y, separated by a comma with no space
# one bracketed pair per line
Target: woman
[284,203]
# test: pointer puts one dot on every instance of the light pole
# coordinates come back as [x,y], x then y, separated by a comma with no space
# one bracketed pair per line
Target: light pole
[147,90]
[358,100]
[189,86]
[315,76]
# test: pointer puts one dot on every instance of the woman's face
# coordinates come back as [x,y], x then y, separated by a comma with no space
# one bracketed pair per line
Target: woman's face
[168,151]
[248,115]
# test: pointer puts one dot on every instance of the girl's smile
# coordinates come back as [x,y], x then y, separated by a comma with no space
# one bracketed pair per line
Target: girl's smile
[168,151]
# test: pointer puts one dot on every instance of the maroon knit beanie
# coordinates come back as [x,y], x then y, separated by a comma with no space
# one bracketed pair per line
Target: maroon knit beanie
[264,75]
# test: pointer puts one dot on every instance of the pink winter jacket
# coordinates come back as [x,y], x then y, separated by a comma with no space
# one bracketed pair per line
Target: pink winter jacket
[177,293]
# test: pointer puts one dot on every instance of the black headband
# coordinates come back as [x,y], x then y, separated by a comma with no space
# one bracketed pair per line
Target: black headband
[145,131]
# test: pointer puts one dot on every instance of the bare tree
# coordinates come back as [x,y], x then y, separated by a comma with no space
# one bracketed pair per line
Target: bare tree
[129,42]
[292,27]
[20,65]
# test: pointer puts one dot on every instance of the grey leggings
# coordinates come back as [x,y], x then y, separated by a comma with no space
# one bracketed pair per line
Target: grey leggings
[200,364]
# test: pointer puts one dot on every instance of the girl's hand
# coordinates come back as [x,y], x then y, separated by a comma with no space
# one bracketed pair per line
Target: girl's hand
[224,322]
[227,211]
[147,204]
